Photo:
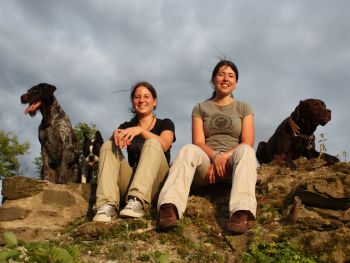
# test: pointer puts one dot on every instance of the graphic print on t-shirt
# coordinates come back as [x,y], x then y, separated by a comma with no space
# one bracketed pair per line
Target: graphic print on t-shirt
[220,122]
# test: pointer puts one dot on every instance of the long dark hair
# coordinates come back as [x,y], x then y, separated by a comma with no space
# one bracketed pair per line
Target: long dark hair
[147,86]
[221,63]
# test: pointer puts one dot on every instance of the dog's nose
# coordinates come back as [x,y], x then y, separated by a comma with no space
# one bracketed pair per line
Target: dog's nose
[24,98]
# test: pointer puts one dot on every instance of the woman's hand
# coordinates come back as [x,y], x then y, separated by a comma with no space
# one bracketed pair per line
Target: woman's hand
[211,176]
[220,164]
[124,137]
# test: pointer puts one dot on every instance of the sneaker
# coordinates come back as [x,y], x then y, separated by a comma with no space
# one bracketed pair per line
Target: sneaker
[238,222]
[105,213]
[167,217]
[133,208]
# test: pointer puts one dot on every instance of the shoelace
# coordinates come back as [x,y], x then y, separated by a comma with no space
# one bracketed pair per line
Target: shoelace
[132,203]
[104,209]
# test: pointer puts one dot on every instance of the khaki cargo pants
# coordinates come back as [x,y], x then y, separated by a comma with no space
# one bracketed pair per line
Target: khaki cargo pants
[191,164]
[117,180]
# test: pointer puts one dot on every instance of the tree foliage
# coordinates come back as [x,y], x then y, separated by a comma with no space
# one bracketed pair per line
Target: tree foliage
[81,128]
[38,163]
[10,148]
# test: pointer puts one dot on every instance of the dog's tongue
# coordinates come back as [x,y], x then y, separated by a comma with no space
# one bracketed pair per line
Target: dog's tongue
[32,107]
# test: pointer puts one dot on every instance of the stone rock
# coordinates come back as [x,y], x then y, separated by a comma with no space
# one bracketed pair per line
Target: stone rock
[191,234]
[92,230]
[21,187]
[314,203]
[331,192]
[37,210]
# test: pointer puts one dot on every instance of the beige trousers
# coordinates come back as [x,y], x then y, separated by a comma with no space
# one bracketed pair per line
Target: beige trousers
[116,179]
[191,164]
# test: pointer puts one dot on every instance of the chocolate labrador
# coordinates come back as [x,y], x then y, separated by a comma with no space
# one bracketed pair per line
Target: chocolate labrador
[294,137]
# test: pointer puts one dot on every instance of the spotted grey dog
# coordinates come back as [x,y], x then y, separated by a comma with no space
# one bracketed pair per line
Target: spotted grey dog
[59,145]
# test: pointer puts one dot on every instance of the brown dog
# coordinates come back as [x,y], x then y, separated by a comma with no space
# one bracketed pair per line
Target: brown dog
[294,137]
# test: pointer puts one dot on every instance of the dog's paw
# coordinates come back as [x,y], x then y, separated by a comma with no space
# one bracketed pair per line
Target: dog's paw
[330,159]
[291,165]
[83,179]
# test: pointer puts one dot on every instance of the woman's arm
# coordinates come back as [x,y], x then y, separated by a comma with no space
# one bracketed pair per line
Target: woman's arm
[165,138]
[123,137]
[220,160]
[247,135]
[198,137]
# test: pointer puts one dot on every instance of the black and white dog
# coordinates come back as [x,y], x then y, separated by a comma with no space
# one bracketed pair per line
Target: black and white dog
[91,152]
[59,145]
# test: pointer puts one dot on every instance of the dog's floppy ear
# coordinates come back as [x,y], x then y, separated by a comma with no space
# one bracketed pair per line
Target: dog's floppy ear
[98,136]
[48,90]
[296,113]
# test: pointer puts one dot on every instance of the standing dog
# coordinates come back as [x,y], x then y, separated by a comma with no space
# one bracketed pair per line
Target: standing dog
[294,137]
[91,152]
[59,145]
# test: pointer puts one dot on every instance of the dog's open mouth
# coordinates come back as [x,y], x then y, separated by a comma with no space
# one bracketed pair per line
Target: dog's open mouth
[93,164]
[32,108]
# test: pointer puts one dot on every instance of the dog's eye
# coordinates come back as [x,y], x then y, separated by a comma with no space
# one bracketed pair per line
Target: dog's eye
[34,90]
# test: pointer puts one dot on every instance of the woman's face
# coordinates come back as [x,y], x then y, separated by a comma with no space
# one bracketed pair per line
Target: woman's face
[225,81]
[143,101]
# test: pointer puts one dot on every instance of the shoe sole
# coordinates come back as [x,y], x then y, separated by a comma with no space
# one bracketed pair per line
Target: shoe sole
[104,219]
[166,228]
[130,213]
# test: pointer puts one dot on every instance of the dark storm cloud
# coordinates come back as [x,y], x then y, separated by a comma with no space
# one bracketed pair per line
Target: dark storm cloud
[285,50]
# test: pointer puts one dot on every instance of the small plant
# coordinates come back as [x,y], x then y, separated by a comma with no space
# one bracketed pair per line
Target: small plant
[41,252]
[322,144]
[11,244]
[160,257]
[282,251]
[344,155]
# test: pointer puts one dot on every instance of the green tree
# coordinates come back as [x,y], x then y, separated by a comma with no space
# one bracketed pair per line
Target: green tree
[38,162]
[10,148]
[82,128]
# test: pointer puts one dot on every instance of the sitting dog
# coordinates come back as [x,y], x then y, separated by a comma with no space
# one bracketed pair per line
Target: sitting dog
[294,137]
[59,145]
[91,152]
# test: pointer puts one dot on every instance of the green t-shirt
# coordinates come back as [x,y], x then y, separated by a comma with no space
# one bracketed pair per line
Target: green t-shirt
[222,124]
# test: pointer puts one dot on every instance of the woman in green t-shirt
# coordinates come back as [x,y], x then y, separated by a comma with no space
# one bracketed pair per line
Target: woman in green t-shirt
[223,137]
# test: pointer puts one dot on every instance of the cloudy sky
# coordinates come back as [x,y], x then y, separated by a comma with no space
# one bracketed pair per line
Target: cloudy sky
[286,51]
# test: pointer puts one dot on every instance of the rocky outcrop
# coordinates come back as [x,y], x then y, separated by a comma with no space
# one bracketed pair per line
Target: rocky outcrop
[38,210]
[308,207]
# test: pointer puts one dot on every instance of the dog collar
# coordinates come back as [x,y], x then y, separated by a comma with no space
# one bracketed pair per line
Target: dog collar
[296,132]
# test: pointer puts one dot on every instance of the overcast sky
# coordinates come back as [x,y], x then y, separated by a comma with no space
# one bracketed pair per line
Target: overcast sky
[286,51]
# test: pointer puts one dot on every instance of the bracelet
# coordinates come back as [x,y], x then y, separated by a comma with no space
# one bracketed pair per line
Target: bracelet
[216,154]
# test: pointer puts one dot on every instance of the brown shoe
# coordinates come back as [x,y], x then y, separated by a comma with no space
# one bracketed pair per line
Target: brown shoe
[238,222]
[167,217]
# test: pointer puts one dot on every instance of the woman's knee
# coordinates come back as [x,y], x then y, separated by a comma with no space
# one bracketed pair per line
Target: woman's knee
[152,142]
[188,149]
[192,153]
[244,149]
[107,145]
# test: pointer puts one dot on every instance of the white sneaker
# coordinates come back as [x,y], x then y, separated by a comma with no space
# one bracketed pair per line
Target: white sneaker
[134,208]
[105,213]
